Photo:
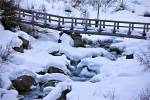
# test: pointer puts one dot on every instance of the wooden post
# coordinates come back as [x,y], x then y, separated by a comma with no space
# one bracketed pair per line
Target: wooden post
[90,23]
[32,17]
[144,31]
[76,22]
[85,29]
[45,19]
[72,22]
[37,16]
[147,28]
[132,26]
[96,23]
[100,26]
[117,25]
[63,21]
[23,14]
[19,14]
[129,31]
[114,28]
[59,23]
[103,24]
[49,18]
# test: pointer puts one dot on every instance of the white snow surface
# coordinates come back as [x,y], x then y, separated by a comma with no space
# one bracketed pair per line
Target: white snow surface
[126,77]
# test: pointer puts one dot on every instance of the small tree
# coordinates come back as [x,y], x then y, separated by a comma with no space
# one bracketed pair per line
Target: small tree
[9,14]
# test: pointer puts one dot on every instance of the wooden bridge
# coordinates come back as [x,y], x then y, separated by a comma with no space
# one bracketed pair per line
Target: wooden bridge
[84,26]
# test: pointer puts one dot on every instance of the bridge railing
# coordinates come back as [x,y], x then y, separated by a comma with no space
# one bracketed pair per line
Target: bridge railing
[100,25]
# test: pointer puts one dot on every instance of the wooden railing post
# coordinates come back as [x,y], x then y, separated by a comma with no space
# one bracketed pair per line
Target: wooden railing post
[32,17]
[49,18]
[117,25]
[129,31]
[63,21]
[147,28]
[85,29]
[45,19]
[114,28]
[75,22]
[96,23]
[103,24]
[19,16]
[23,14]
[144,31]
[100,26]
[132,26]
[89,23]
[72,22]
[59,23]
[37,16]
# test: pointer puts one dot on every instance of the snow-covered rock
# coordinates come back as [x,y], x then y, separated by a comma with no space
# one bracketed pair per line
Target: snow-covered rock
[8,94]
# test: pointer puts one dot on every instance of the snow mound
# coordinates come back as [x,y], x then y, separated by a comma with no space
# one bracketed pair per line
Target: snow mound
[56,92]
[77,54]
[9,39]
[24,35]
[55,76]
[8,94]
[19,73]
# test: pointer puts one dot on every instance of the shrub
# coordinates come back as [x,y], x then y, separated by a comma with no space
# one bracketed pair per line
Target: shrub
[144,95]
[111,95]
[5,52]
[9,14]
[144,58]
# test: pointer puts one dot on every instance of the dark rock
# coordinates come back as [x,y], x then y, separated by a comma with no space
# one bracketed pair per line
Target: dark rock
[130,56]
[55,70]
[25,43]
[19,49]
[41,72]
[56,53]
[78,41]
[64,94]
[115,49]
[24,83]
[52,83]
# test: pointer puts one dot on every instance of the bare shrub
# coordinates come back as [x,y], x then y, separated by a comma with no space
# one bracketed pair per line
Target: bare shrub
[145,94]
[5,52]
[111,95]
[144,58]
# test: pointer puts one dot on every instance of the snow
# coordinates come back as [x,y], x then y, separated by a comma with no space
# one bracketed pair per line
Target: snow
[126,77]
[19,73]
[9,38]
[8,94]
[55,76]
[56,92]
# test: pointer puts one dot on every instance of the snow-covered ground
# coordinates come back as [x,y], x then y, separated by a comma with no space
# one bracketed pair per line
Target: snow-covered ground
[123,78]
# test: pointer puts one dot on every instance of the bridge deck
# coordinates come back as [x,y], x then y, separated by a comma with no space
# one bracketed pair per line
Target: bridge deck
[84,26]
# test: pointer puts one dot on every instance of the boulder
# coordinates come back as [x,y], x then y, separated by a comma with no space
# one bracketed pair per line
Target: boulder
[78,41]
[23,83]
[130,56]
[117,50]
[19,49]
[64,95]
[55,70]
[25,43]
